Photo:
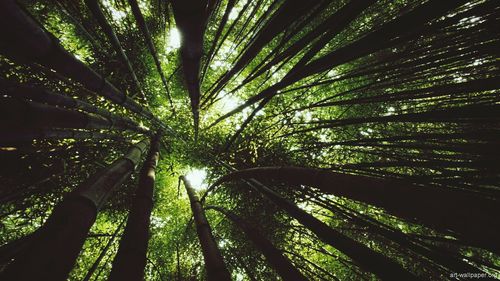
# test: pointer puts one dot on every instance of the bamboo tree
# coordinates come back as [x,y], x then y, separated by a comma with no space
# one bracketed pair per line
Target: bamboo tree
[52,255]
[130,260]
[214,263]
[104,252]
[338,20]
[365,257]
[44,96]
[36,179]
[22,137]
[96,10]
[431,252]
[14,248]
[141,23]
[390,34]
[465,214]
[218,33]
[391,104]
[274,256]
[191,17]
[35,44]
[17,114]
[287,13]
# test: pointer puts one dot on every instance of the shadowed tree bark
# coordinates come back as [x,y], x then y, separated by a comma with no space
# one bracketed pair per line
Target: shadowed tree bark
[45,96]
[367,259]
[96,10]
[130,260]
[218,33]
[53,254]
[18,115]
[36,178]
[103,253]
[469,216]
[16,247]
[136,11]
[191,17]
[10,138]
[439,256]
[391,33]
[477,113]
[326,31]
[274,256]
[214,263]
[286,14]
[31,42]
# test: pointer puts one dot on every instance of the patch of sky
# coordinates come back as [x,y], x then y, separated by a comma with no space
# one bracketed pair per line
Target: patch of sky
[197,178]
[173,40]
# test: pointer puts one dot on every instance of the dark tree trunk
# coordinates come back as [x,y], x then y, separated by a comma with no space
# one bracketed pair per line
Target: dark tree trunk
[214,263]
[31,42]
[274,256]
[288,13]
[390,34]
[469,216]
[53,254]
[18,115]
[96,10]
[14,248]
[45,96]
[103,253]
[366,258]
[36,178]
[330,26]
[136,11]
[130,261]
[191,17]
[12,138]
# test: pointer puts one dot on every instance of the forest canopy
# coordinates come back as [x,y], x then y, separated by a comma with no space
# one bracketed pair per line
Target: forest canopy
[249,140]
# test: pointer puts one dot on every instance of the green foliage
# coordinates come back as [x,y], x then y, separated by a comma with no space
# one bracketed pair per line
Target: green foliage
[333,120]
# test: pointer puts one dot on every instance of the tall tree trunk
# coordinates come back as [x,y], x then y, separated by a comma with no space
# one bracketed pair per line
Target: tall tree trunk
[289,12]
[45,96]
[331,25]
[218,33]
[130,261]
[390,34]
[14,248]
[18,115]
[103,253]
[136,11]
[80,29]
[428,251]
[366,258]
[96,10]
[31,42]
[469,216]
[53,254]
[214,263]
[12,138]
[36,178]
[191,17]
[280,263]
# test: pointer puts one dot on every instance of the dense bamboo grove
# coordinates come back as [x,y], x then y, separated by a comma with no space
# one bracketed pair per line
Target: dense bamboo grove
[249,140]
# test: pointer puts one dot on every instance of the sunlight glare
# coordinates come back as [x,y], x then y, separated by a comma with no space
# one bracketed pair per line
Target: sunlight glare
[229,102]
[197,178]
[233,14]
[174,39]
[117,15]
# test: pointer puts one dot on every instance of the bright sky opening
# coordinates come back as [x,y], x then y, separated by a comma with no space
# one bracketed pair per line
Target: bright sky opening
[197,178]
[174,39]
[229,102]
